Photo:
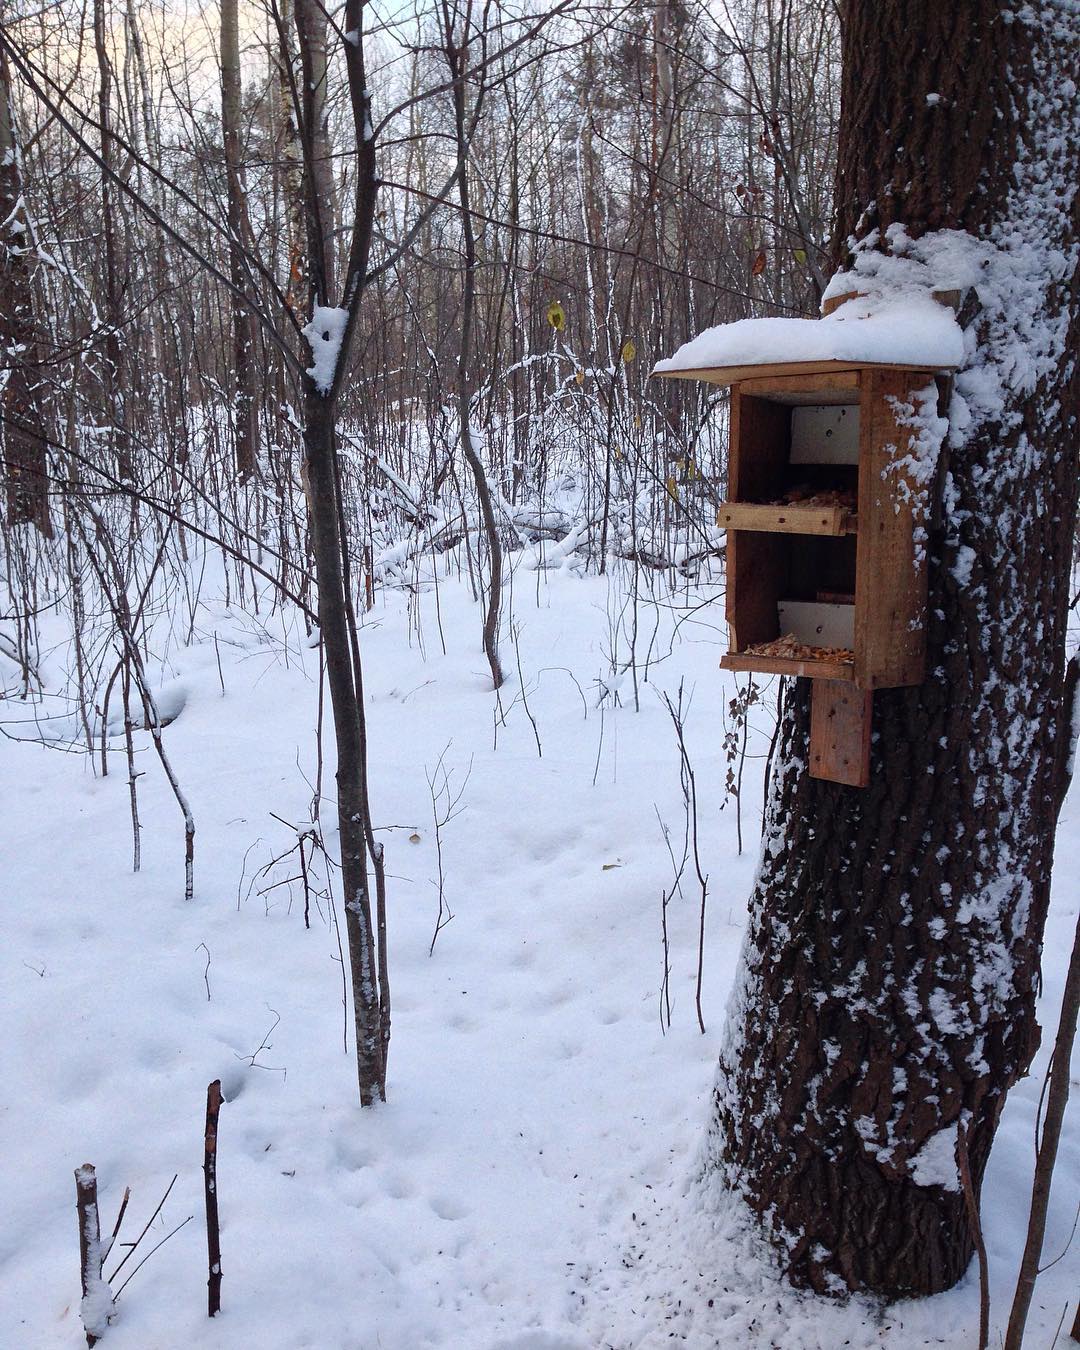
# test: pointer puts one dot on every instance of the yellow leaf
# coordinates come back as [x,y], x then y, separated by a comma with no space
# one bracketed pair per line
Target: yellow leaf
[580,377]
[800,255]
[673,489]
[629,351]
[556,316]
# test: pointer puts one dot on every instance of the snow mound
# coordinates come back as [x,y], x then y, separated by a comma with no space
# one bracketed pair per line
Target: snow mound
[908,330]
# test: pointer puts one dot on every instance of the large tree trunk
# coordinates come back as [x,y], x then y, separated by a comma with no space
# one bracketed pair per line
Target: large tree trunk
[887,995]
[113,381]
[245,407]
[23,429]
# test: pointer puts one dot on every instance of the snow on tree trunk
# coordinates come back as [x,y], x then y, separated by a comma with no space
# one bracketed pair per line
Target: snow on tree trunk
[886,997]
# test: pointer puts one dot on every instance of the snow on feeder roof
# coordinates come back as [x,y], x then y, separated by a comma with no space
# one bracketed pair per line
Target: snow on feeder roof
[909,332]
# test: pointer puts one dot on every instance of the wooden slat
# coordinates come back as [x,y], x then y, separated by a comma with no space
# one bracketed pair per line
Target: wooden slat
[788,519]
[890,591]
[834,302]
[840,725]
[782,665]
[801,390]
[776,369]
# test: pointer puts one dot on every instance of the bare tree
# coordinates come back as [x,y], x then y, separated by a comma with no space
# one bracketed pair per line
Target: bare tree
[458,35]
[23,390]
[245,407]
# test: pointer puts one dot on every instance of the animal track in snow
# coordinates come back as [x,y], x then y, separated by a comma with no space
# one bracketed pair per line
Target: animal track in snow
[399,1187]
[447,1207]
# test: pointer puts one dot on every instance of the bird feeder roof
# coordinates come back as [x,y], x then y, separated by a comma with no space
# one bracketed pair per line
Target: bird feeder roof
[911,332]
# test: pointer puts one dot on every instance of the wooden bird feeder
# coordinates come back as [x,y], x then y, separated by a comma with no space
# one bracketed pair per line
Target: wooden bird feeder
[826,568]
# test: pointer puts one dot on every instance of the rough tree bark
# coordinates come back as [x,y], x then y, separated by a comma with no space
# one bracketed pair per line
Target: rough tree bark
[887,994]
[22,389]
[289,157]
[113,382]
[245,407]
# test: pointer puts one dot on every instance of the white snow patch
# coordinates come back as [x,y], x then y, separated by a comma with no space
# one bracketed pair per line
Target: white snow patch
[935,1162]
[908,329]
[324,335]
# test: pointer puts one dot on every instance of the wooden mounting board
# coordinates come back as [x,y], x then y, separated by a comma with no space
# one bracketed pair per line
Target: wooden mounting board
[840,725]
[891,585]
[843,671]
[772,370]
[787,519]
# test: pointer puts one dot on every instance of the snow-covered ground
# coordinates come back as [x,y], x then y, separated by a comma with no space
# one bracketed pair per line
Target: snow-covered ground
[526,1185]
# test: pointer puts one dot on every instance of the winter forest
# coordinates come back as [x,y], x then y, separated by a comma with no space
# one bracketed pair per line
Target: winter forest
[539,625]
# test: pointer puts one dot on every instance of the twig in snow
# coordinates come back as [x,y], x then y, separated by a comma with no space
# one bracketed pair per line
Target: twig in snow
[150,1253]
[963,1164]
[445,805]
[1057,1096]
[677,713]
[116,1225]
[206,972]
[132,1247]
[266,1044]
[213,1234]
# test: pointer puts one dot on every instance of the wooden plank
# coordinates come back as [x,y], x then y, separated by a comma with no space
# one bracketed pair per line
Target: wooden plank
[782,665]
[789,519]
[834,302]
[890,588]
[801,390]
[950,299]
[733,374]
[840,725]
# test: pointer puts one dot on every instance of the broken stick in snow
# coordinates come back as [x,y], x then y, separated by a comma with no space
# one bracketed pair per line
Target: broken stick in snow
[213,1237]
[97,1303]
